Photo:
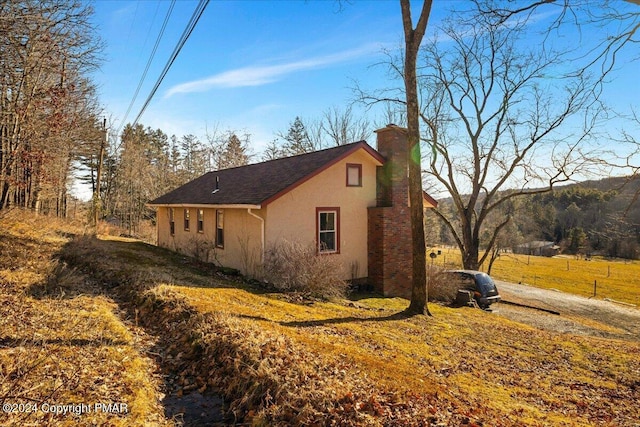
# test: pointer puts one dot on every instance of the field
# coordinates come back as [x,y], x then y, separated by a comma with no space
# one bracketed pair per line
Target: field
[618,280]
[280,359]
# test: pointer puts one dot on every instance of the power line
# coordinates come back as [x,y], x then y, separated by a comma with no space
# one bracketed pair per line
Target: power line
[146,69]
[202,5]
[133,21]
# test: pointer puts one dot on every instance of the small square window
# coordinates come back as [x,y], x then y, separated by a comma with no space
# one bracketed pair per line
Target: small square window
[354,175]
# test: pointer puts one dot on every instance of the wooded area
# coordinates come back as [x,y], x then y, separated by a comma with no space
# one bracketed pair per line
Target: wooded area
[49,108]
[588,218]
[144,163]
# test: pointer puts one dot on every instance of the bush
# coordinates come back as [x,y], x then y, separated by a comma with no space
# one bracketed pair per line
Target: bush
[441,286]
[296,267]
[202,250]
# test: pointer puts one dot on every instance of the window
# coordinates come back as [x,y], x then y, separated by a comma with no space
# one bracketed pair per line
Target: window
[354,175]
[220,229]
[200,220]
[186,220]
[172,222]
[328,230]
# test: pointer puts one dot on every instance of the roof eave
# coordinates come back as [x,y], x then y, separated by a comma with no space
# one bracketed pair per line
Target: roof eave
[205,206]
[430,200]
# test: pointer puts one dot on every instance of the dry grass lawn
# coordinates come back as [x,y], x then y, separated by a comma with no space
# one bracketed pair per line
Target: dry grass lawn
[493,370]
[284,361]
[61,340]
[277,359]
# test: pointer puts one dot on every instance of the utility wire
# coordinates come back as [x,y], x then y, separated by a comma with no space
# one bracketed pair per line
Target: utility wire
[133,21]
[202,5]
[146,69]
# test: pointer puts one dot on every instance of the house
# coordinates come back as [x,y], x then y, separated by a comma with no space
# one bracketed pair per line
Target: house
[537,247]
[350,201]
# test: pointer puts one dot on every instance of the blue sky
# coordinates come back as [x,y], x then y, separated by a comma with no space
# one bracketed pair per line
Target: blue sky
[249,65]
[254,65]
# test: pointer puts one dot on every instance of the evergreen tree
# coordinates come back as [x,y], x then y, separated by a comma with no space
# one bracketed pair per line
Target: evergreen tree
[234,152]
[296,140]
[194,157]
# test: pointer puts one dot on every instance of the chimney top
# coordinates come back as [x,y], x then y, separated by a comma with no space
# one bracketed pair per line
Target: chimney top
[391,126]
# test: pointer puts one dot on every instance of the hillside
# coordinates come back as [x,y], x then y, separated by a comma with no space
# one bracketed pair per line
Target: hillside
[63,341]
[281,360]
[591,217]
[77,335]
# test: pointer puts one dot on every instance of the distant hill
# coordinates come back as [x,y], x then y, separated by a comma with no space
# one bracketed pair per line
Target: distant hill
[595,216]
[626,186]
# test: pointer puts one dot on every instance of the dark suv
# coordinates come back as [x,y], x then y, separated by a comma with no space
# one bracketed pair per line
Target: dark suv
[481,284]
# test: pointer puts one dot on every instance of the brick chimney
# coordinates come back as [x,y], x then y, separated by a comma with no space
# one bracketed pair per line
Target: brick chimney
[389,223]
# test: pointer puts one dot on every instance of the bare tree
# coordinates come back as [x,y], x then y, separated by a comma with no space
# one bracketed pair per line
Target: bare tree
[341,127]
[47,102]
[501,113]
[413,39]
[508,236]
[336,127]
[618,25]
[496,121]
[272,151]
[228,149]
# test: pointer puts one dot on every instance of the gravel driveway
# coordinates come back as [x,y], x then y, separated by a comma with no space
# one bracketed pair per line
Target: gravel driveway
[578,315]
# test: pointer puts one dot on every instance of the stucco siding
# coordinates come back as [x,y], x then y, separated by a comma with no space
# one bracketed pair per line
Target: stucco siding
[293,215]
[242,237]
[242,247]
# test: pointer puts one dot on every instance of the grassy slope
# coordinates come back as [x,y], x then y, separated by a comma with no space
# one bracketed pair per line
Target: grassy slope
[61,341]
[500,371]
[361,363]
[617,280]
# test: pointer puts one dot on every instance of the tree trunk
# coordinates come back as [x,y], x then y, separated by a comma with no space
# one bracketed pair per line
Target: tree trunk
[470,256]
[471,243]
[97,201]
[413,39]
[495,253]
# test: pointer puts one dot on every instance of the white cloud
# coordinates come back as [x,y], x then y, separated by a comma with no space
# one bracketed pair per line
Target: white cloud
[261,75]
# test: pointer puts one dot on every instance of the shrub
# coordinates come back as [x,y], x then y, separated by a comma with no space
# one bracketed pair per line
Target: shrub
[441,286]
[202,250]
[296,267]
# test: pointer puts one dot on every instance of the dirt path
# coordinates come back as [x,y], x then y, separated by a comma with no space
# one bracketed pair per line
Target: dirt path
[578,314]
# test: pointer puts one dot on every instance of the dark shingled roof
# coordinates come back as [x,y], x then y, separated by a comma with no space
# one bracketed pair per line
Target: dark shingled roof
[258,183]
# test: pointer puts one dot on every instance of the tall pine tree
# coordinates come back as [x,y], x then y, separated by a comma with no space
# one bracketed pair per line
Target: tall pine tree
[296,140]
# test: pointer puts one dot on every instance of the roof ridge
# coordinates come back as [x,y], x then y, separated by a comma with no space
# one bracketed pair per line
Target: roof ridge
[293,156]
[262,182]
